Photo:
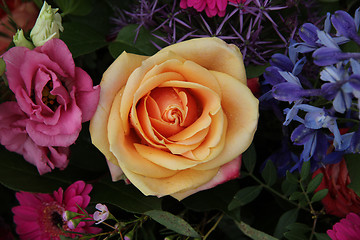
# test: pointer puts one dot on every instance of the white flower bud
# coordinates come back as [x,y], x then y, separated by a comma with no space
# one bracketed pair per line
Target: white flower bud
[48,25]
[20,40]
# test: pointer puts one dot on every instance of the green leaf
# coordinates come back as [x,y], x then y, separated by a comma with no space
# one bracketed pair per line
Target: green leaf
[286,219]
[19,175]
[296,196]
[269,173]
[322,236]
[319,195]
[291,178]
[2,66]
[244,196]
[125,42]
[314,183]
[305,170]
[288,187]
[172,222]
[81,39]
[298,227]
[249,158]
[294,236]
[126,197]
[253,233]
[75,7]
[253,71]
[217,198]
[353,166]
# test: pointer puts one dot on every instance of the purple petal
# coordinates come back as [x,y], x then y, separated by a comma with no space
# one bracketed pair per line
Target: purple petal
[326,56]
[281,61]
[344,24]
[273,76]
[308,33]
[287,92]
[355,81]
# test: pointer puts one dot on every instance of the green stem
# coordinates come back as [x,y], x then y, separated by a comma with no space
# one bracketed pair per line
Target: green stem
[267,187]
[312,210]
[213,227]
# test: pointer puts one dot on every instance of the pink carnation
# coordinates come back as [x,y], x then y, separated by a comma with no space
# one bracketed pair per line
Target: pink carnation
[39,214]
[347,229]
[211,7]
[53,98]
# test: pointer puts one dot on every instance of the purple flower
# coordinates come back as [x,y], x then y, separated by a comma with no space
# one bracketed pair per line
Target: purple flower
[326,56]
[345,25]
[338,89]
[311,140]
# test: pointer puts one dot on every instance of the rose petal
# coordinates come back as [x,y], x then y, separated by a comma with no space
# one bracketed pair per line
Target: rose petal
[215,139]
[242,116]
[122,146]
[182,180]
[212,54]
[164,159]
[136,78]
[115,171]
[110,85]
[210,103]
[227,172]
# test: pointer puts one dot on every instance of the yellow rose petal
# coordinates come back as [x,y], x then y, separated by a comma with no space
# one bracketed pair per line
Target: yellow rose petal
[210,103]
[241,109]
[164,159]
[215,139]
[111,84]
[183,180]
[136,78]
[213,54]
[122,146]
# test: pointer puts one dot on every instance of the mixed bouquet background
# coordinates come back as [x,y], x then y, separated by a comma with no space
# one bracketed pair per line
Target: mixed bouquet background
[190,119]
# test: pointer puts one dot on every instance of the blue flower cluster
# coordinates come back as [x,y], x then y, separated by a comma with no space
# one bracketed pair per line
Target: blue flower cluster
[325,107]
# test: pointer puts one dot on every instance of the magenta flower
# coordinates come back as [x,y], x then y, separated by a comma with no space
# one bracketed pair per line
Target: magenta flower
[347,229]
[53,98]
[211,7]
[39,216]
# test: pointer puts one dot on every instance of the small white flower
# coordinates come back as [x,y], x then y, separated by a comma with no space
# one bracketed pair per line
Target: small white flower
[102,214]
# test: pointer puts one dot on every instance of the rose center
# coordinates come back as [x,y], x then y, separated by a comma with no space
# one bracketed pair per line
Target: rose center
[169,109]
[172,114]
[49,99]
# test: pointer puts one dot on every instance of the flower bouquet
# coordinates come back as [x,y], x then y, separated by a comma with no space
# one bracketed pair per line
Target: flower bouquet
[190,119]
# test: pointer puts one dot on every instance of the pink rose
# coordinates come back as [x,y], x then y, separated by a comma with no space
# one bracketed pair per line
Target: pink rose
[53,98]
[24,15]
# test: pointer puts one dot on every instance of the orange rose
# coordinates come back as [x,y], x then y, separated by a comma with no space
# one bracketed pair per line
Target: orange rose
[24,15]
[169,122]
